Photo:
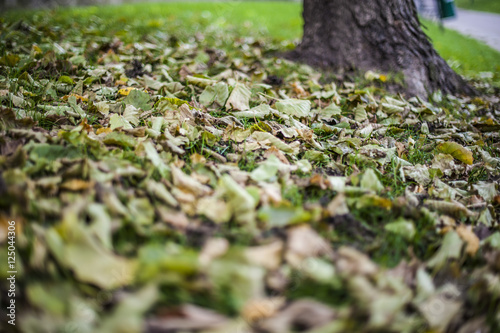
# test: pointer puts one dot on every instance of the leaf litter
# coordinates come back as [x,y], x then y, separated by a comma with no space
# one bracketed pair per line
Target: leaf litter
[167,183]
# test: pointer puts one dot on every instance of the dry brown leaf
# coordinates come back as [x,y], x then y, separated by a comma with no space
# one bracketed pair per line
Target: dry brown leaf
[338,206]
[213,248]
[320,181]
[298,90]
[259,309]
[173,217]
[278,153]
[400,148]
[268,256]
[352,262]
[188,184]
[304,242]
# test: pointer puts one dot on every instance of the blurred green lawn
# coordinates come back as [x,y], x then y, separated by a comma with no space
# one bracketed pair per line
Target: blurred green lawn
[279,20]
[492,6]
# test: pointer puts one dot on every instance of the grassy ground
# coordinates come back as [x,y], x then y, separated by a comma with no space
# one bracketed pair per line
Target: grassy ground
[492,6]
[467,55]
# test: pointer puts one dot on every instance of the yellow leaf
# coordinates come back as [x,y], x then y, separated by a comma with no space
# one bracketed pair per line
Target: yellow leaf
[125,91]
[77,185]
[103,130]
[36,49]
[466,233]
[457,151]
[198,159]
[78,97]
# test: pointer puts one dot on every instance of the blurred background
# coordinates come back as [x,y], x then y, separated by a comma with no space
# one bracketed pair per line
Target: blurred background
[427,8]
[8,4]
[469,39]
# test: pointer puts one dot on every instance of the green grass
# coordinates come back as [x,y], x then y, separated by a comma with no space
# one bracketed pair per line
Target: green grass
[492,6]
[466,55]
[279,20]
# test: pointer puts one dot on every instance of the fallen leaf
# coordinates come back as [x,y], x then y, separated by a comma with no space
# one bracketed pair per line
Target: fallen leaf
[77,185]
[187,317]
[469,237]
[294,107]
[239,98]
[451,247]
[260,309]
[457,151]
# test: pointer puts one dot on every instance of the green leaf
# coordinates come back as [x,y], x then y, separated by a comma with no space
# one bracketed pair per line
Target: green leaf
[155,158]
[493,240]
[391,108]
[128,315]
[165,103]
[159,191]
[370,181]
[487,190]
[117,121]
[49,297]
[241,202]
[402,227]
[330,112]
[199,81]
[74,105]
[54,152]
[120,139]
[217,93]
[294,107]
[101,224]
[262,136]
[138,99]
[360,114]
[9,60]
[451,248]
[257,112]
[66,79]
[277,217]
[419,173]
[266,170]
[126,121]
[451,208]
[237,281]
[141,211]
[457,151]
[172,258]
[88,259]
[316,156]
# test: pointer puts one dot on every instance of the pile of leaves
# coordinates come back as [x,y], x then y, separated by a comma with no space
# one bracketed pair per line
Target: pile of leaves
[171,183]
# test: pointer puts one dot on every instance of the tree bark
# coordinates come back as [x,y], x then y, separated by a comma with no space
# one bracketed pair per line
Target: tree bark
[382,35]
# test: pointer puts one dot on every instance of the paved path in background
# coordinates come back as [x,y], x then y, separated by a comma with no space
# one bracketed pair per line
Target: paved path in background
[479,25]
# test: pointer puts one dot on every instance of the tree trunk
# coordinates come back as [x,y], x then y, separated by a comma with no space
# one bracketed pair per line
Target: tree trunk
[382,35]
